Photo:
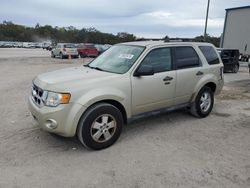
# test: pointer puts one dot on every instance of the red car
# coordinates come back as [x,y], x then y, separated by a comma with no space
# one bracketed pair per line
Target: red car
[87,50]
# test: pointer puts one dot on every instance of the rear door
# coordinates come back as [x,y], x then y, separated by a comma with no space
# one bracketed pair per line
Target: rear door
[155,91]
[189,72]
[57,49]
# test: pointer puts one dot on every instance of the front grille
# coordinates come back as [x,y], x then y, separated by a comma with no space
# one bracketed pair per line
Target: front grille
[37,95]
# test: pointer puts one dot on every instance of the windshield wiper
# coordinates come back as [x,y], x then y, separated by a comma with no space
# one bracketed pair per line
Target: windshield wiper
[87,65]
[96,68]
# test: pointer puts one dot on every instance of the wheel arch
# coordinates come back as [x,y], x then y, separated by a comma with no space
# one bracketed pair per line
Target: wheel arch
[115,103]
[210,83]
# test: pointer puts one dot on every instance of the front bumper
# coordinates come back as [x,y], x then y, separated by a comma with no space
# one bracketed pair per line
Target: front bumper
[66,117]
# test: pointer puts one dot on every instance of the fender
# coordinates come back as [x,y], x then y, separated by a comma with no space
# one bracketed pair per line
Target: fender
[107,93]
[208,78]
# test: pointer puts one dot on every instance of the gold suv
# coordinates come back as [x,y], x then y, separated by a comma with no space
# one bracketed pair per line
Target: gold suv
[128,80]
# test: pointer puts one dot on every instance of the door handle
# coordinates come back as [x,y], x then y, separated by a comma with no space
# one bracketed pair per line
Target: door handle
[168,78]
[199,73]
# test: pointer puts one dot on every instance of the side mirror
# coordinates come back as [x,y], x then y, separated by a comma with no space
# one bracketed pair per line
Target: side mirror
[144,70]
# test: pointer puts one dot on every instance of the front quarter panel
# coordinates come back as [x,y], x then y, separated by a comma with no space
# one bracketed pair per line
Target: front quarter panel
[120,92]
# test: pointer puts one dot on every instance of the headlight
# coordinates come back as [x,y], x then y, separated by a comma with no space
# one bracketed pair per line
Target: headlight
[54,99]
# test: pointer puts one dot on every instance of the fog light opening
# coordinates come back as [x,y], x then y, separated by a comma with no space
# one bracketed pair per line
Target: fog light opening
[51,124]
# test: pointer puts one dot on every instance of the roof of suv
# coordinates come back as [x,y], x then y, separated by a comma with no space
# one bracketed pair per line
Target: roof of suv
[156,43]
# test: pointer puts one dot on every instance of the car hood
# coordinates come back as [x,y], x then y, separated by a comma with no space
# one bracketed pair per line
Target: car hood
[71,78]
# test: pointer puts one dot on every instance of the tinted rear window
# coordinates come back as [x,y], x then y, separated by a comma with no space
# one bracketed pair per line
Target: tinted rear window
[69,46]
[186,57]
[232,53]
[210,54]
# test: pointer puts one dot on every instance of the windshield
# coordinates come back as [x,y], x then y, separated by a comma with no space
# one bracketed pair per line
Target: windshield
[117,59]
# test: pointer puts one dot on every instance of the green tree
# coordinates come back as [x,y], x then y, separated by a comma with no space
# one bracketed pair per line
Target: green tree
[210,39]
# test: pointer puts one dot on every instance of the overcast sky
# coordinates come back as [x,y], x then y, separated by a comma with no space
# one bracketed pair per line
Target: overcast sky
[144,18]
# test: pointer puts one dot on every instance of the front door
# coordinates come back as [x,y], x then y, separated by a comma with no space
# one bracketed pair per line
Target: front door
[155,91]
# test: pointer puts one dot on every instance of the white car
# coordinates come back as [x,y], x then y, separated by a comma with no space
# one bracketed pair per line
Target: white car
[64,50]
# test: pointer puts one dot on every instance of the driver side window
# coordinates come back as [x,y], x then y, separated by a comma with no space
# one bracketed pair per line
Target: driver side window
[160,59]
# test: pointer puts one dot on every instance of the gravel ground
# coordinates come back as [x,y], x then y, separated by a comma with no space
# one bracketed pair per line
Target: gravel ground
[167,150]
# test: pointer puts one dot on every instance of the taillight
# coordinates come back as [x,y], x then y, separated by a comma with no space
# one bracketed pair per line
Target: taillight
[221,72]
[64,49]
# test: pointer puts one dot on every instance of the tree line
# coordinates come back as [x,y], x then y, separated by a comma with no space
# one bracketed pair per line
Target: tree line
[13,32]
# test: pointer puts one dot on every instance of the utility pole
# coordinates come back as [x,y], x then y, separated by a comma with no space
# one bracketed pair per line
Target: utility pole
[205,32]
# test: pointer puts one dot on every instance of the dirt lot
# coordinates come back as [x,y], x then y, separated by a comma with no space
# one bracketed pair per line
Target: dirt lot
[168,150]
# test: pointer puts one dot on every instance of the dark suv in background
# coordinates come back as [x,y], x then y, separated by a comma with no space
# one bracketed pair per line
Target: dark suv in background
[230,59]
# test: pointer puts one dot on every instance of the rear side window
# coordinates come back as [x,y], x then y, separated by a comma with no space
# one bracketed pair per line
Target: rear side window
[225,54]
[186,57]
[210,54]
[160,59]
[235,53]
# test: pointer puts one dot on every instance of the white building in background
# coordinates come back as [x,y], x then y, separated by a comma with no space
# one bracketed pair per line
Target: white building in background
[236,33]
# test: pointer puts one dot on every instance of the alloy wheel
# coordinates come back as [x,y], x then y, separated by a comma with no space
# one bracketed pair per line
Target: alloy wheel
[205,101]
[103,128]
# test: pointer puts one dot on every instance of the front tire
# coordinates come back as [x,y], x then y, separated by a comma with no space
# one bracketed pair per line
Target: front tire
[203,103]
[61,55]
[52,55]
[100,126]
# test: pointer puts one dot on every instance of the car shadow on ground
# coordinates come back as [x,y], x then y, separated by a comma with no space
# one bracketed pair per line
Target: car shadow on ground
[138,128]
[131,130]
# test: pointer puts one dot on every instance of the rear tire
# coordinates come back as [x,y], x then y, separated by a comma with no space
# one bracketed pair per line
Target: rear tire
[203,103]
[83,56]
[100,126]
[235,68]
